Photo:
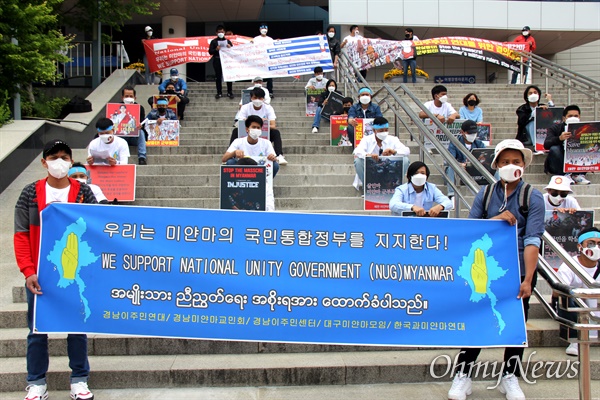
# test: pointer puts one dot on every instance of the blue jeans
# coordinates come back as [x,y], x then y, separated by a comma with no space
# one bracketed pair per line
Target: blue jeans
[38,357]
[452,178]
[233,161]
[317,120]
[412,63]
[140,142]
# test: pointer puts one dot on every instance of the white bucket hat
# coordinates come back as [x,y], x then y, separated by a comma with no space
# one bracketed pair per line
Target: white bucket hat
[560,183]
[513,144]
[148,28]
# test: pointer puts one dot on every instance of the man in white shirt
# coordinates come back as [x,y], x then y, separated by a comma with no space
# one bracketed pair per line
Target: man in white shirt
[251,145]
[439,106]
[353,37]
[263,38]
[258,107]
[379,144]
[107,149]
[317,82]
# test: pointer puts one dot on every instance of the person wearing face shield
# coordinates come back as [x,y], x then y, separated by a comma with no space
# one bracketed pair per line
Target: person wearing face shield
[555,144]
[378,144]
[526,114]
[263,38]
[439,106]
[417,195]
[503,203]
[251,145]
[107,149]
[468,138]
[530,46]
[588,246]
[80,173]
[558,196]
[56,187]
[364,108]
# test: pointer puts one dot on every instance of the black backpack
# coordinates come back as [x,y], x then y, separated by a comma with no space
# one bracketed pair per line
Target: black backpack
[524,198]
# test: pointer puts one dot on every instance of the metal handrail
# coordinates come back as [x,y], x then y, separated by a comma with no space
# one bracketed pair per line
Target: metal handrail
[583,325]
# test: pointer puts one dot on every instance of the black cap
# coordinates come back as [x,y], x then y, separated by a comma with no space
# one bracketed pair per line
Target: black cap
[526,28]
[469,126]
[54,146]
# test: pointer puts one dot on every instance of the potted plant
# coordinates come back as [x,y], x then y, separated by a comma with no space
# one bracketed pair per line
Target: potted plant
[141,68]
[396,75]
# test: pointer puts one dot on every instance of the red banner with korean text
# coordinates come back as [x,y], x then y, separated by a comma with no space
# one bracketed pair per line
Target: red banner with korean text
[369,53]
[167,53]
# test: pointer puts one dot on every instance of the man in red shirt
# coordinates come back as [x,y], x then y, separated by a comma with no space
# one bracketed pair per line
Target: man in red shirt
[530,46]
[56,187]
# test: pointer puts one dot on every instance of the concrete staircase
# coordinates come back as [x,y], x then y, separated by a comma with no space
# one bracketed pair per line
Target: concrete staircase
[317,179]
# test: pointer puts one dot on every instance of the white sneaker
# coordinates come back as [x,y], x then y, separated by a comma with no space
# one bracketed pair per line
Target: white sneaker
[461,387]
[580,180]
[453,200]
[36,392]
[281,159]
[573,349]
[509,385]
[315,129]
[80,391]
[539,153]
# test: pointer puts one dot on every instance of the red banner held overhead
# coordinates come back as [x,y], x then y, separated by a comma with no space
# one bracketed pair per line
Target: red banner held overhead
[167,53]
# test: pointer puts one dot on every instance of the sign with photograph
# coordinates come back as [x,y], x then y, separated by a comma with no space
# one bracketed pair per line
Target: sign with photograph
[339,130]
[544,119]
[243,187]
[582,149]
[125,118]
[565,229]
[164,135]
[381,178]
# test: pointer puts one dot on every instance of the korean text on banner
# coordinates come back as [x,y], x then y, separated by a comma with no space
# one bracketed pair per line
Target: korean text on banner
[342,279]
[287,57]
[116,181]
[582,149]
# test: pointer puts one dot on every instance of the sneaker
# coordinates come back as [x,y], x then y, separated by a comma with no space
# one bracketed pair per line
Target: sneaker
[218,95]
[580,180]
[36,392]
[461,387]
[281,159]
[230,95]
[315,129]
[453,200]
[573,349]
[539,153]
[80,391]
[142,161]
[509,385]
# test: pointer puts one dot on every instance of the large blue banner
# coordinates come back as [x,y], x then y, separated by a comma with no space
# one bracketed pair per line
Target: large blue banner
[312,278]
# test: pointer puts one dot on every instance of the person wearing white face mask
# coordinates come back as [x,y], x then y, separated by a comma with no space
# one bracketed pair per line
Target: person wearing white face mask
[530,46]
[418,195]
[330,87]
[258,107]
[365,108]
[80,173]
[149,76]
[251,145]
[558,195]
[554,143]
[468,138]
[502,201]
[128,96]
[526,114]
[57,187]
[378,144]
[439,106]
[107,149]
[334,47]
[213,49]
[316,82]
[261,39]
[589,254]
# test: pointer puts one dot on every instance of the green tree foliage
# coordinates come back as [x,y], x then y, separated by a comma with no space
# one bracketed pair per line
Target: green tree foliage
[82,14]
[38,48]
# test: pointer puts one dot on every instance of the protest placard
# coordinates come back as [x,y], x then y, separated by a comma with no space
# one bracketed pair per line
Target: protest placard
[165,134]
[582,149]
[364,127]
[125,118]
[313,97]
[544,119]
[381,178]
[243,187]
[565,229]
[485,157]
[333,106]
[116,181]
[339,130]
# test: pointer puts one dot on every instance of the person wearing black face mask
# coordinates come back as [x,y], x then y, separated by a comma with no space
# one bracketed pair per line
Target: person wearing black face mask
[161,112]
[470,110]
[181,100]
[410,62]
[347,103]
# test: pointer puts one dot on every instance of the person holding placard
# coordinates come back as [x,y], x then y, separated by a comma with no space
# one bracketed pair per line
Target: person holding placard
[251,145]
[555,144]
[378,144]
[218,43]
[161,112]
[263,38]
[330,87]
[107,149]
[418,195]
[526,114]
[128,96]
[365,108]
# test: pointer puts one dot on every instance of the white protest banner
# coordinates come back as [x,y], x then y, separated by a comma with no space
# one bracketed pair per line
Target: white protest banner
[287,57]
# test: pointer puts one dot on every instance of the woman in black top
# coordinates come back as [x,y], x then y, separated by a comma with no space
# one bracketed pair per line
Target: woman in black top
[334,45]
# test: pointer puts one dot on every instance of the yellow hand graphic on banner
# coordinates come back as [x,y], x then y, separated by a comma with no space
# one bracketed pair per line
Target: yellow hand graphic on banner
[70,257]
[479,272]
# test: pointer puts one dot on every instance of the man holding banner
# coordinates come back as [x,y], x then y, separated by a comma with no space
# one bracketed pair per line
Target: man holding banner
[215,45]
[263,38]
[516,203]
[56,187]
